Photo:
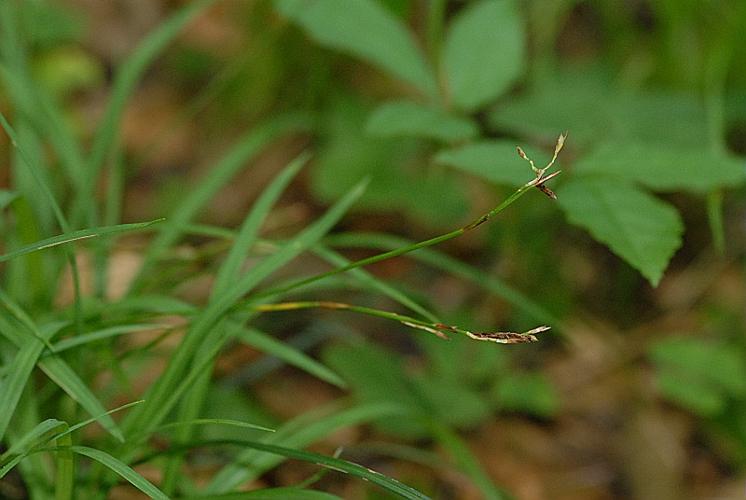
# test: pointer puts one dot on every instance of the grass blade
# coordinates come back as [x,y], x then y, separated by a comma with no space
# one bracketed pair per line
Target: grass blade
[298,432]
[207,319]
[73,236]
[250,228]
[127,77]
[235,160]
[12,387]
[290,355]
[272,494]
[122,469]
[437,259]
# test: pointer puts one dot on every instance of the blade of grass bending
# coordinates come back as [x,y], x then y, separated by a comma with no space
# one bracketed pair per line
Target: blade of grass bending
[218,176]
[438,329]
[387,483]
[64,483]
[371,281]
[73,236]
[402,250]
[122,469]
[280,493]
[247,235]
[451,265]
[292,356]
[208,317]
[44,433]
[301,431]
[125,81]
[466,461]
[192,404]
[104,333]
[12,387]
[61,220]
[62,375]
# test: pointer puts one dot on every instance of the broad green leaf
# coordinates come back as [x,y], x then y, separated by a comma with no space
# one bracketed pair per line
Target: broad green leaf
[691,393]
[712,371]
[664,168]
[586,102]
[395,166]
[484,52]
[451,401]
[635,225]
[495,161]
[406,118]
[363,28]
[526,392]
[122,469]
[361,365]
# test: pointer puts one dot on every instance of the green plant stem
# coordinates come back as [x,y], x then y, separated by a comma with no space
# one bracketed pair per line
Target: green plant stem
[400,251]
[438,329]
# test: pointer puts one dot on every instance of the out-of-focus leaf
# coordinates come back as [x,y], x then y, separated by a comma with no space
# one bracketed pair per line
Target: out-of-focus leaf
[698,374]
[530,393]
[452,401]
[495,161]
[365,29]
[407,118]
[483,53]
[635,225]
[665,168]
[585,102]
[398,182]
[377,376]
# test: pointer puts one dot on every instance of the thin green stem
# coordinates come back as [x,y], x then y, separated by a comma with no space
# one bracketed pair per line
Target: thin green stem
[403,250]
[438,329]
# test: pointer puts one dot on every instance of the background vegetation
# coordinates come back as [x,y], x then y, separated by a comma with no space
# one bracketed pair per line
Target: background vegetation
[171,168]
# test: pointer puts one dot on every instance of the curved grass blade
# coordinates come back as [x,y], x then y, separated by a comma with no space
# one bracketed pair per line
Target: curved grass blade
[368,279]
[235,160]
[247,235]
[122,469]
[282,493]
[13,384]
[389,484]
[104,333]
[290,355]
[161,390]
[437,259]
[298,432]
[73,236]
[127,77]
[62,375]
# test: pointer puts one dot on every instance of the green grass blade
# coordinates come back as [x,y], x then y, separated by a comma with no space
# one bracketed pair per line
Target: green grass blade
[389,484]
[234,161]
[64,484]
[41,433]
[124,84]
[207,319]
[12,386]
[437,259]
[73,236]
[104,333]
[122,469]
[290,355]
[371,281]
[247,235]
[283,493]
[466,461]
[298,432]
